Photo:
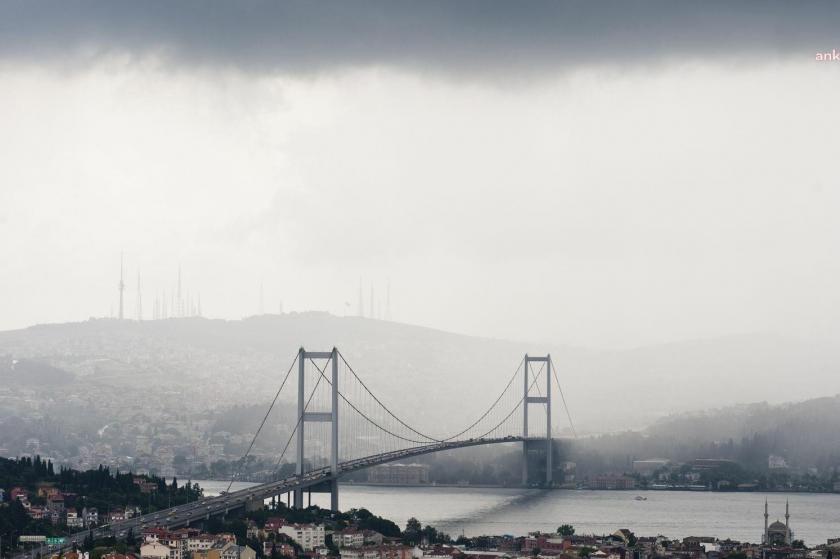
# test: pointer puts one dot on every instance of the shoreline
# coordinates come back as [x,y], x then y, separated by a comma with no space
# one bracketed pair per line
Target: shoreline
[518,487]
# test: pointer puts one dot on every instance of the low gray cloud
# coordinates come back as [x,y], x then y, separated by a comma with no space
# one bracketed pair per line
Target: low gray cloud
[453,37]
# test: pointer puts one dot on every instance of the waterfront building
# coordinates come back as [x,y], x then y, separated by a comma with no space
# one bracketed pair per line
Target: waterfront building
[776,462]
[612,482]
[648,467]
[545,543]
[399,474]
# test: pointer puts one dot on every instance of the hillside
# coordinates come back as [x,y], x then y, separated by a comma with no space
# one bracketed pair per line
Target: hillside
[801,437]
[425,373]
[804,433]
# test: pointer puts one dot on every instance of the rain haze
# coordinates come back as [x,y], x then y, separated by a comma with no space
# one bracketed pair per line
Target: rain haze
[605,177]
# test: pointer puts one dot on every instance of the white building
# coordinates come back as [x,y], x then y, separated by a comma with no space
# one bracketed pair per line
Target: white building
[308,536]
[349,538]
[775,462]
[74,520]
[154,550]
[356,553]
[201,542]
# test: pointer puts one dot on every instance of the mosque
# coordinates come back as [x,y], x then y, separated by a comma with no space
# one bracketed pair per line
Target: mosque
[777,533]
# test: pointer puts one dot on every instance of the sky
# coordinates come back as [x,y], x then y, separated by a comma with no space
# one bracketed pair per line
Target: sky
[607,174]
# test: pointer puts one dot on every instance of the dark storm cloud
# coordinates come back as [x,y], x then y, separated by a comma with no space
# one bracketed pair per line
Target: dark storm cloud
[474,36]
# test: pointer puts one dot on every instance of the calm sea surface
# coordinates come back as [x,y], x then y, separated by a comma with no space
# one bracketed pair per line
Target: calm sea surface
[474,511]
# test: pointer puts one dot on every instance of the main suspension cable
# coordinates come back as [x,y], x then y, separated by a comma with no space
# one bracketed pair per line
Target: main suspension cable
[563,398]
[433,439]
[262,423]
[297,425]
[493,405]
[518,404]
[360,412]
[378,401]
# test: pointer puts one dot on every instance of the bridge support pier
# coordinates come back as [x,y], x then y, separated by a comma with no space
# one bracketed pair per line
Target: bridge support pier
[334,495]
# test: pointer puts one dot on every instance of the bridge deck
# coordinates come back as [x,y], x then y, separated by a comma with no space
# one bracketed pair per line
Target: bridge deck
[204,508]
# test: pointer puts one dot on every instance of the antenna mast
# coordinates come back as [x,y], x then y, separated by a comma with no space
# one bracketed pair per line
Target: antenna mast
[122,286]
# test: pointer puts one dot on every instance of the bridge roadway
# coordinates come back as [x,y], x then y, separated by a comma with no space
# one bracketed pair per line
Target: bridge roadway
[203,509]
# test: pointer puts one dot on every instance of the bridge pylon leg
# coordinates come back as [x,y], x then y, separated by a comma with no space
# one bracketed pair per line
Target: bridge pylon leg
[546,401]
[331,417]
[525,426]
[549,465]
[298,498]
[334,434]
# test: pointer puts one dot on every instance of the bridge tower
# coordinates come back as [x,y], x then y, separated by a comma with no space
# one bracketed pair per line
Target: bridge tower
[330,416]
[527,400]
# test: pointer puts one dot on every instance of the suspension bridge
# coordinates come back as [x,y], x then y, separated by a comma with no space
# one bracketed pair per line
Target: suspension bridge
[342,427]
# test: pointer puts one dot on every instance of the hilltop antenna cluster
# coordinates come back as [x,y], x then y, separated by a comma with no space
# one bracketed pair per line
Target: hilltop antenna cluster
[177,303]
[375,306]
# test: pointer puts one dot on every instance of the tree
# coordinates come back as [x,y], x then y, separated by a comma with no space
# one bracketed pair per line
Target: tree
[330,543]
[87,544]
[431,535]
[412,531]
[566,530]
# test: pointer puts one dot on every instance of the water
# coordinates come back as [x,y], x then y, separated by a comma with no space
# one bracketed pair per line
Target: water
[676,514]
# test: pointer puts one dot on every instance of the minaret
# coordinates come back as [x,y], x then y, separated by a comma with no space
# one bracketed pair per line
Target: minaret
[139,298]
[371,301]
[787,522]
[388,301]
[179,303]
[361,300]
[764,540]
[122,286]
